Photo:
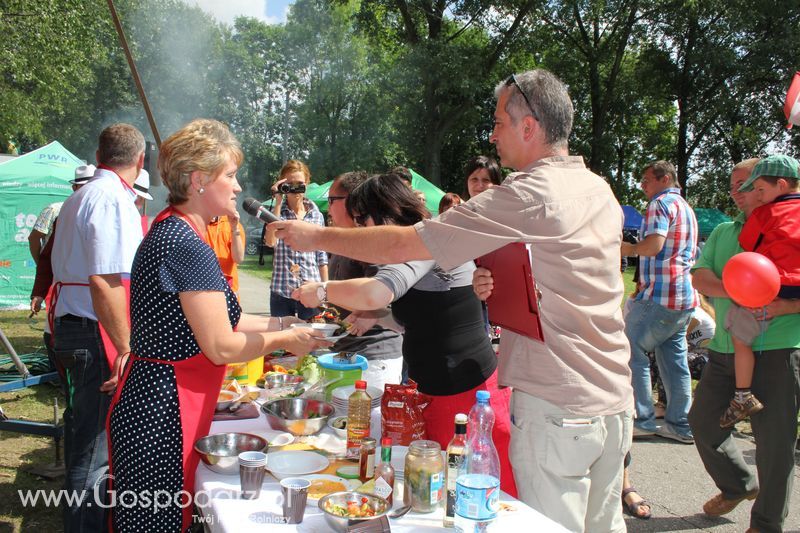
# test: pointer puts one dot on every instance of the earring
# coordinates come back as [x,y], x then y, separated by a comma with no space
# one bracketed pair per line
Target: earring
[201,190]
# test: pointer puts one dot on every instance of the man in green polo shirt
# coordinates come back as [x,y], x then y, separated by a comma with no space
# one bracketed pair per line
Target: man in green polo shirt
[775,377]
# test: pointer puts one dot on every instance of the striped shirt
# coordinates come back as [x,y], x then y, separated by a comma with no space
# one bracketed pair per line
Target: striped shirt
[284,281]
[665,277]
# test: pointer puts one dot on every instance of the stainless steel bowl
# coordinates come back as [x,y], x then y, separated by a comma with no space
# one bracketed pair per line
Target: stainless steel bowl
[220,452]
[273,381]
[226,399]
[341,523]
[336,421]
[293,415]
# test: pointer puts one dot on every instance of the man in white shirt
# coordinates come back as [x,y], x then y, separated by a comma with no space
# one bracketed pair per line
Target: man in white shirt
[99,231]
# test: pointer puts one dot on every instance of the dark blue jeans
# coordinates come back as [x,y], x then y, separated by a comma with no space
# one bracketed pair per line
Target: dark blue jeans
[282,306]
[79,348]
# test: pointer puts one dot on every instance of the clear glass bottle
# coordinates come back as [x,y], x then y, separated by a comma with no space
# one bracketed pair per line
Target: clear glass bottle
[384,472]
[366,461]
[478,482]
[456,451]
[424,476]
[359,408]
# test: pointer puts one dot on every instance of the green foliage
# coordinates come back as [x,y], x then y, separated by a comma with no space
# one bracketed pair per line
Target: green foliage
[49,49]
[369,84]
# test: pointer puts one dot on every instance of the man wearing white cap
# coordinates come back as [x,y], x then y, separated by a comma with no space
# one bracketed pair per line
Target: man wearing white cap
[44,223]
[41,247]
[142,187]
[44,228]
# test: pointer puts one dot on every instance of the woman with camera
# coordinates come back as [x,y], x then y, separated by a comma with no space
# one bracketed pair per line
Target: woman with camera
[291,268]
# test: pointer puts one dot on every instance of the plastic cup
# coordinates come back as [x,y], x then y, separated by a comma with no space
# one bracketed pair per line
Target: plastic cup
[295,494]
[251,473]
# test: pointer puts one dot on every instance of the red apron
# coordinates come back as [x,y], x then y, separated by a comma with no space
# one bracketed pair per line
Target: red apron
[198,381]
[110,349]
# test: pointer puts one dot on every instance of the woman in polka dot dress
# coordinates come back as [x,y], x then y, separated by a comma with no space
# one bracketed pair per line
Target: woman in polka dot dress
[186,326]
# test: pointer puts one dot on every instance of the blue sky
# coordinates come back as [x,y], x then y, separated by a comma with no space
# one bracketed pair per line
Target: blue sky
[270,11]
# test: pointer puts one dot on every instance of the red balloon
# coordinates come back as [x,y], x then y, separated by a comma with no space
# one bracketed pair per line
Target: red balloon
[751,279]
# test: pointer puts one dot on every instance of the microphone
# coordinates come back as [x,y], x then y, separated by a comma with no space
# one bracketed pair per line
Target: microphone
[257,209]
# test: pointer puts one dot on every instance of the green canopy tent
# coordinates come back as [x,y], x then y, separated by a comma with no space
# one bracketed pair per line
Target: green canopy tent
[708,219]
[433,194]
[27,185]
[319,193]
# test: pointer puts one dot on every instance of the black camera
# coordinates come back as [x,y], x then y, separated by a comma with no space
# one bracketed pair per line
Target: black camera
[289,188]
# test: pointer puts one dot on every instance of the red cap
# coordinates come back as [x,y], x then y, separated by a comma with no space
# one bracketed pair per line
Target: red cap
[361,384]
[386,441]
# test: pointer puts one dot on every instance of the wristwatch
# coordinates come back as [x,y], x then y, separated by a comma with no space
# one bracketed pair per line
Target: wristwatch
[322,293]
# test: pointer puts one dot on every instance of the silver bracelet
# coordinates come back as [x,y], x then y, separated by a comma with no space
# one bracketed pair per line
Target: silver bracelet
[280,323]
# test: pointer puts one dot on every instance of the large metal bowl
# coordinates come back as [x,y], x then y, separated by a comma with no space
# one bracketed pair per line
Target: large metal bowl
[341,523]
[272,381]
[220,452]
[293,415]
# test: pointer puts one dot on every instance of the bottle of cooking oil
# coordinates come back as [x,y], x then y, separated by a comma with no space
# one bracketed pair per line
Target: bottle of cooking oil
[456,451]
[359,407]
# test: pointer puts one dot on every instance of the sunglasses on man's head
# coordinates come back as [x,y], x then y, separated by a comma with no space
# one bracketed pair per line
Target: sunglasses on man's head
[512,80]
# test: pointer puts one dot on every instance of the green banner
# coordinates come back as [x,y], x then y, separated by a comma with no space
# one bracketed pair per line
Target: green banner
[28,184]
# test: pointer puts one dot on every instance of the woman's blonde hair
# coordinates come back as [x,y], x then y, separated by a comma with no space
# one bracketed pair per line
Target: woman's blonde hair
[203,145]
[292,166]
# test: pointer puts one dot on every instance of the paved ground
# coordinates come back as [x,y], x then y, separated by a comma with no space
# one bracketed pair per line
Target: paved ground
[671,476]
[666,473]
[253,294]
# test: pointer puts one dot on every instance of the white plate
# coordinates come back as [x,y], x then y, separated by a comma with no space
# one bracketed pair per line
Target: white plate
[282,439]
[327,330]
[343,393]
[349,484]
[293,463]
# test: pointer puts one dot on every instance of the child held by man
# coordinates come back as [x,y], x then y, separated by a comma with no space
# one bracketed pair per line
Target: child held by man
[773,230]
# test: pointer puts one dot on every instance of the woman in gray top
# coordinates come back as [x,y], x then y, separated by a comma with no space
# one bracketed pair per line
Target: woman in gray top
[445,345]
[381,346]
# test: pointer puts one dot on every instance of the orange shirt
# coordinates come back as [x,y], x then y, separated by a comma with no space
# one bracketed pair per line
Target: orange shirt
[220,238]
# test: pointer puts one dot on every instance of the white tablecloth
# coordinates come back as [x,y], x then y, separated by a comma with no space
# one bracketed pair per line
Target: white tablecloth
[223,511]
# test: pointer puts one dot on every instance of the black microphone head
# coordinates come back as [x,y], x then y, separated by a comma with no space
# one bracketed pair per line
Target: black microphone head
[251,205]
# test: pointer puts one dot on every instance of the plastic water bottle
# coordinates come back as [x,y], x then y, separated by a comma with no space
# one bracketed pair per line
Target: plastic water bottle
[478,482]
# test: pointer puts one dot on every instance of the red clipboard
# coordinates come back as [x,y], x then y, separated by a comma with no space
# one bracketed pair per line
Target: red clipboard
[514,304]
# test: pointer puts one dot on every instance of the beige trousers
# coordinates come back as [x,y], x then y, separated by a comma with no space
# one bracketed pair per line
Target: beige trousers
[567,466]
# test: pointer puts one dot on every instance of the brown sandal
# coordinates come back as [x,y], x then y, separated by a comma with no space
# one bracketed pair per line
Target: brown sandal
[633,508]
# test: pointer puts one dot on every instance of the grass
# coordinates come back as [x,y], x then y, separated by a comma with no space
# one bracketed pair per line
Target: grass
[17,450]
[630,285]
[250,266]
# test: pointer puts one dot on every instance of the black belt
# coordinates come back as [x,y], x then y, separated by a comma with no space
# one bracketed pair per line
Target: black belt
[75,318]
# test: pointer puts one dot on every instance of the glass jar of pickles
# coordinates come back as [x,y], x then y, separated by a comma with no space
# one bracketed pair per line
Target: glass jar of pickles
[424,476]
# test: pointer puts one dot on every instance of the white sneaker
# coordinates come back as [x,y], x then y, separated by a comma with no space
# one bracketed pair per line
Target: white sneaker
[639,433]
[667,432]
